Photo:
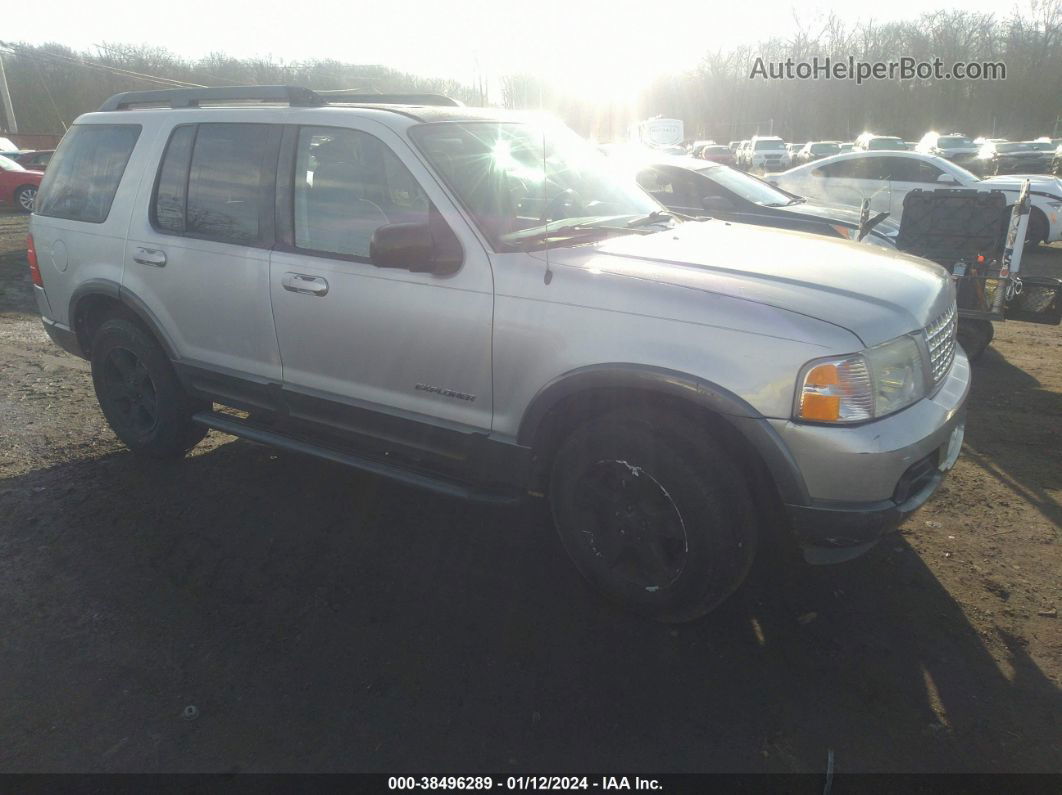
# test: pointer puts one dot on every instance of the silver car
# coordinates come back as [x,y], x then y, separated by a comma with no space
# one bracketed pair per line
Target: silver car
[478,303]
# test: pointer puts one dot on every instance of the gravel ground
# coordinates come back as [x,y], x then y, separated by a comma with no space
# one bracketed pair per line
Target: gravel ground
[321,620]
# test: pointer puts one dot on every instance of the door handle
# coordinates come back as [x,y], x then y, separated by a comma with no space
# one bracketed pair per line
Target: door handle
[307,285]
[150,256]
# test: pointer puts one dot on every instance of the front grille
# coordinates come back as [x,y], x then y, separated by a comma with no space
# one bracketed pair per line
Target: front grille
[940,337]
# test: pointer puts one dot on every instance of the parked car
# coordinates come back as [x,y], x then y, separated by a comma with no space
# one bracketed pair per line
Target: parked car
[790,154]
[697,146]
[733,145]
[869,142]
[816,150]
[717,153]
[36,159]
[847,147]
[1014,157]
[473,303]
[765,153]
[1056,162]
[952,146]
[741,156]
[18,185]
[886,178]
[693,187]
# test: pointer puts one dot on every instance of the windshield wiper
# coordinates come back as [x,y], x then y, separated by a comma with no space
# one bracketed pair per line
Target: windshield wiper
[580,232]
[655,217]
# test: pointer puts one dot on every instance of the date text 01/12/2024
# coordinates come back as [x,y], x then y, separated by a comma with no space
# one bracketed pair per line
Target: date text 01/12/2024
[522,783]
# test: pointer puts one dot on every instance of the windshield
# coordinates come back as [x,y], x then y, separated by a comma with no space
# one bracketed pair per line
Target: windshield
[518,179]
[825,149]
[7,164]
[769,145]
[747,186]
[953,142]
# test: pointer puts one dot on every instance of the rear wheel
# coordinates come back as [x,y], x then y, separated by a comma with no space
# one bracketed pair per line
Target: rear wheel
[25,197]
[139,393]
[654,514]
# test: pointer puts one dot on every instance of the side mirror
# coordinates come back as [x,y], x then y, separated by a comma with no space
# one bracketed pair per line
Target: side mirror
[416,247]
[717,204]
[946,179]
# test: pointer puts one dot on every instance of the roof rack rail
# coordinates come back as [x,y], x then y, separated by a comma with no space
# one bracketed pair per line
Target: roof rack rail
[361,97]
[191,97]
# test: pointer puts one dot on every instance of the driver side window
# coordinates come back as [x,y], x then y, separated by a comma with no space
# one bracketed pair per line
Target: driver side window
[347,184]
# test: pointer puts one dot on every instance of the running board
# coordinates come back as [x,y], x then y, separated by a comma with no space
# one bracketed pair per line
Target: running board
[256,433]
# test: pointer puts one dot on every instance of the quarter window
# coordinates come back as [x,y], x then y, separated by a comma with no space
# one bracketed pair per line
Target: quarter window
[83,177]
[347,184]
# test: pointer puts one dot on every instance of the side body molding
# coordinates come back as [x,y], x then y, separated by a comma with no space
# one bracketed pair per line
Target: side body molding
[742,417]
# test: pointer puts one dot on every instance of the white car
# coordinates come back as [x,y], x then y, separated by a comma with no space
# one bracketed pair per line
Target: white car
[887,177]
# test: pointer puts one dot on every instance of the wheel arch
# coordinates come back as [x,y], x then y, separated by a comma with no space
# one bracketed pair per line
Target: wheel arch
[97,299]
[575,396]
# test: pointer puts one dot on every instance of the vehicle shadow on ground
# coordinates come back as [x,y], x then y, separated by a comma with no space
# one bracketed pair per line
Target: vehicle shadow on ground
[1012,429]
[322,620]
[16,289]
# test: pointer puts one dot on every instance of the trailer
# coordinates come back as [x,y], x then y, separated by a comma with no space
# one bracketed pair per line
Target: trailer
[658,131]
[962,230]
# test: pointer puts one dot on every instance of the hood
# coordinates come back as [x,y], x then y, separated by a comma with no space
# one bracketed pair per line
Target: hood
[840,215]
[874,293]
[1044,183]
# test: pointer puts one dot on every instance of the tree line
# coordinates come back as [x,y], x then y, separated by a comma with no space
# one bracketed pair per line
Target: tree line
[51,84]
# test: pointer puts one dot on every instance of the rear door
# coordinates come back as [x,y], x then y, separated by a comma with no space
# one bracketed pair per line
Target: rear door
[907,174]
[197,256]
[849,182]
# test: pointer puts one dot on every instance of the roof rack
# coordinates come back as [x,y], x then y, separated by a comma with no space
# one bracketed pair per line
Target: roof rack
[361,97]
[191,97]
[295,96]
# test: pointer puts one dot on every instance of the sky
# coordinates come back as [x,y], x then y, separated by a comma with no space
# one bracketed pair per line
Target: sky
[608,43]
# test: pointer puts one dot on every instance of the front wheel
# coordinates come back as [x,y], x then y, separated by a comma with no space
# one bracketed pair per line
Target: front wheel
[975,336]
[654,514]
[139,393]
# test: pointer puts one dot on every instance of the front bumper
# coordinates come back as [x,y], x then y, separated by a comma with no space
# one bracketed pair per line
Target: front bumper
[863,481]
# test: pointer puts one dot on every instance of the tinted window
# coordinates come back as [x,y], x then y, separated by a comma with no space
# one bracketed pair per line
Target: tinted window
[904,169]
[216,181]
[229,172]
[849,169]
[172,188]
[83,176]
[347,184]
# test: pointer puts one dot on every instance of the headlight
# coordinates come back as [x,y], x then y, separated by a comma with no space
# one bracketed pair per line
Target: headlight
[864,386]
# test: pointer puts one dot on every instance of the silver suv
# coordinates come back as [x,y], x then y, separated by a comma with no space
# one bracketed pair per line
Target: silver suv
[476,302]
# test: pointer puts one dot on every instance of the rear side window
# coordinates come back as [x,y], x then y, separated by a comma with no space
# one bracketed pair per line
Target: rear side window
[216,181]
[83,176]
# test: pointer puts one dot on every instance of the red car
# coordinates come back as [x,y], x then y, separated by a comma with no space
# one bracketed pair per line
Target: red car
[718,154]
[18,185]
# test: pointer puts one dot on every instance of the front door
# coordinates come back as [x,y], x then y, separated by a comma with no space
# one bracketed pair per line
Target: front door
[363,347]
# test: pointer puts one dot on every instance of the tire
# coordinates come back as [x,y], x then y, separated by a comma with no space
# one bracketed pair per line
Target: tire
[139,393]
[1036,232]
[654,514]
[24,198]
[975,336]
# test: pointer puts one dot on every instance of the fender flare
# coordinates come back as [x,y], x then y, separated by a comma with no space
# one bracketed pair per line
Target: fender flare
[112,289]
[752,426]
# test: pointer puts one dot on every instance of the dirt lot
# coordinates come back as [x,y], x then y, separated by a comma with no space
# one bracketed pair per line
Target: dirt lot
[322,620]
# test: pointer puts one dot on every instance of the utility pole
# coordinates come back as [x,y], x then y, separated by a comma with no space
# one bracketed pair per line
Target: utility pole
[5,95]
